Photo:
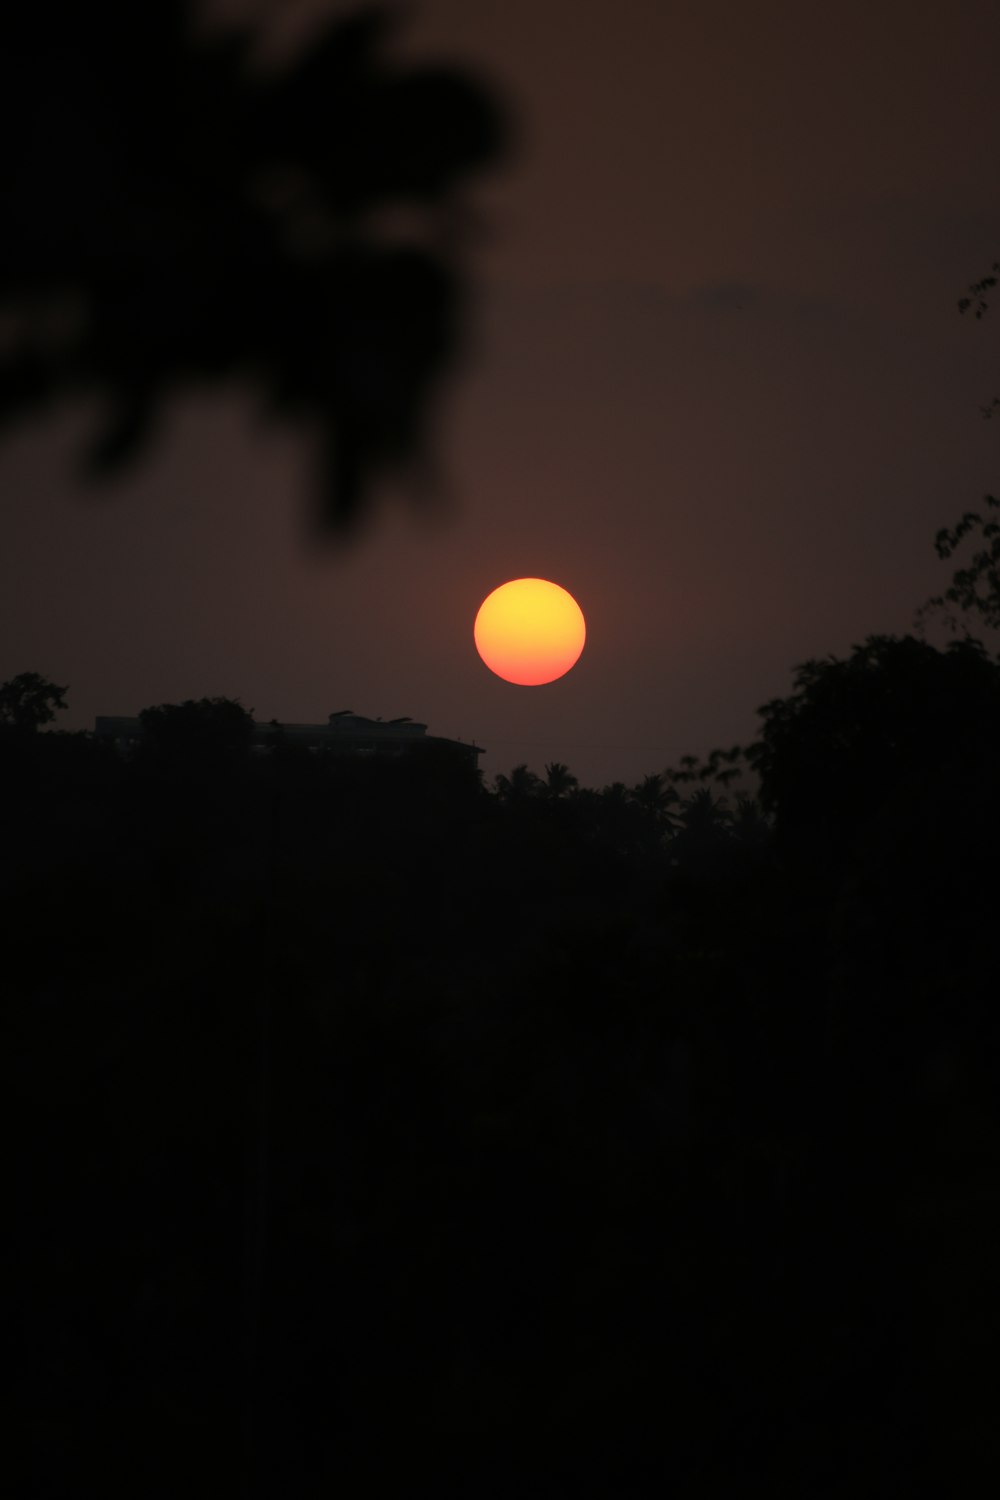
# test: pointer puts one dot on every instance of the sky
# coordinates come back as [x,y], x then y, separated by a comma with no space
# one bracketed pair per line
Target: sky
[718,389]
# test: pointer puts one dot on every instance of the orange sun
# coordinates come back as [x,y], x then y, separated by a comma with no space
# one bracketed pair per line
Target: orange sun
[529,631]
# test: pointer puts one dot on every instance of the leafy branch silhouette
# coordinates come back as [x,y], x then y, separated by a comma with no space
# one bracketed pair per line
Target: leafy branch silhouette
[191,216]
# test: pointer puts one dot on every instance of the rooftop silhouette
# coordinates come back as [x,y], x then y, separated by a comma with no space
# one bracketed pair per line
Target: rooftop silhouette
[344,733]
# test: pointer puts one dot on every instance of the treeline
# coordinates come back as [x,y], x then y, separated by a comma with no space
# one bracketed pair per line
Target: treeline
[379,1127]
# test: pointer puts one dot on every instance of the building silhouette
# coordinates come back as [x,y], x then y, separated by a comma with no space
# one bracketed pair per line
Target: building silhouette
[344,733]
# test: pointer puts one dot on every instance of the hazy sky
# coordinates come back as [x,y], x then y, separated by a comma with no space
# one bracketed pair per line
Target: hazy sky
[720,391]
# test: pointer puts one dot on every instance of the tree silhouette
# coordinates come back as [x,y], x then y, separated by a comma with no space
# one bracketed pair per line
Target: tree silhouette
[28,701]
[197,756]
[975,588]
[721,767]
[177,212]
[749,825]
[884,733]
[209,731]
[655,797]
[979,298]
[438,1059]
[559,780]
[701,840]
[520,786]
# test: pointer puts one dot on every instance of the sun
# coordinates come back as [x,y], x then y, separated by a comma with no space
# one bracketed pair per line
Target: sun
[530,631]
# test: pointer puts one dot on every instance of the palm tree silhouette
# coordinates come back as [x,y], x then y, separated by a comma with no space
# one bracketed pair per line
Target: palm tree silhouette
[520,786]
[702,837]
[559,780]
[655,796]
[749,825]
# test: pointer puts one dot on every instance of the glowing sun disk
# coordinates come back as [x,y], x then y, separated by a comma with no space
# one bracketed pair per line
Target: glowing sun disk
[529,631]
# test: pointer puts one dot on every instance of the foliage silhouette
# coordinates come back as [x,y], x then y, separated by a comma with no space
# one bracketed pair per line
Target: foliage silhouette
[28,701]
[177,213]
[559,779]
[895,724]
[980,290]
[656,797]
[974,588]
[204,732]
[654,1109]
[519,785]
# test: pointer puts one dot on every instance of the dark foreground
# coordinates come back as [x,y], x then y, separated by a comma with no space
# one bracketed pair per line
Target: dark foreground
[370,1130]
